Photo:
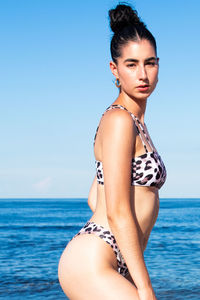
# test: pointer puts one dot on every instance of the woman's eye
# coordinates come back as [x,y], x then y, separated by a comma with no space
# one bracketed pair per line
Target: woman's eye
[131,65]
[151,63]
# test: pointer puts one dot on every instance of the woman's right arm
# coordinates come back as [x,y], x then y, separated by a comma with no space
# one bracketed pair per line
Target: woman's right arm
[118,143]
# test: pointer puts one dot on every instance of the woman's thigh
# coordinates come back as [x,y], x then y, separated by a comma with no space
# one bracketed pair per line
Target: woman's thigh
[88,270]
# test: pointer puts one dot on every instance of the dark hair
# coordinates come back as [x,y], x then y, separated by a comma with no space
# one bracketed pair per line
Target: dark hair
[127,26]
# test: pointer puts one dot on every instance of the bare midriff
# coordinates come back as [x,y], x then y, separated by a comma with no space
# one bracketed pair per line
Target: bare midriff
[145,207]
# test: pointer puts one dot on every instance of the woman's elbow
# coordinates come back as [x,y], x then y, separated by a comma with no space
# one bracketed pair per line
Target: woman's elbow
[118,217]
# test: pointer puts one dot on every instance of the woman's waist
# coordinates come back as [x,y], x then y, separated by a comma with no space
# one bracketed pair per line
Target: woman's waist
[103,223]
[146,215]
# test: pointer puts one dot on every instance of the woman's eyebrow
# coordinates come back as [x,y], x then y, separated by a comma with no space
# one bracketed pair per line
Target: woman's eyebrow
[131,60]
[136,60]
[151,58]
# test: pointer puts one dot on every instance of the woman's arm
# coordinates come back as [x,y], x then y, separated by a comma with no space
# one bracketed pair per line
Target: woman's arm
[118,143]
[92,197]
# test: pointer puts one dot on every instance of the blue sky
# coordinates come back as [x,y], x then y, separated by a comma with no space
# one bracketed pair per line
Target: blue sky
[55,83]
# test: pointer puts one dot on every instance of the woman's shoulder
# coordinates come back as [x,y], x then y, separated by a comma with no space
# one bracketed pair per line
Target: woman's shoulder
[117,119]
[115,114]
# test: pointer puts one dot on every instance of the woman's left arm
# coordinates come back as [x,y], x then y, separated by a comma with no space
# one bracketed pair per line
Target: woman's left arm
[92,197]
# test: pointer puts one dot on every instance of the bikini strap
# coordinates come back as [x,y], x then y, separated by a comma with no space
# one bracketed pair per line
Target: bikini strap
[145,135]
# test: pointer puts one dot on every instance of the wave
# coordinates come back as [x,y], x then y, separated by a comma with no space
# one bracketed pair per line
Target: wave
[41,227]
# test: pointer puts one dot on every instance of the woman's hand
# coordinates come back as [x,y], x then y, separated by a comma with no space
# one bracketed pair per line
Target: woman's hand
[146,294]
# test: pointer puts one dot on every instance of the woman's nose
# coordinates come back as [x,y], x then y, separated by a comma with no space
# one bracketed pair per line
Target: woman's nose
[142,74]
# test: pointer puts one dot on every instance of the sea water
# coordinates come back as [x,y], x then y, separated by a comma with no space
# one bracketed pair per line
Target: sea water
[34,232]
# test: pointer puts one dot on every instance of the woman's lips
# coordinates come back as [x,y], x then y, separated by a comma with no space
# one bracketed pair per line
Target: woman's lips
[143,88]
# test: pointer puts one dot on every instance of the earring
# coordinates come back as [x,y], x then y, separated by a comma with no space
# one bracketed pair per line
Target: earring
[117,83]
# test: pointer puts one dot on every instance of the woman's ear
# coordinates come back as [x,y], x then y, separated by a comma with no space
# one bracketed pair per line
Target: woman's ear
[113,68]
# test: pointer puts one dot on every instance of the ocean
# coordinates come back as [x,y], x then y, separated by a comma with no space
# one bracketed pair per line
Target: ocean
[34,232]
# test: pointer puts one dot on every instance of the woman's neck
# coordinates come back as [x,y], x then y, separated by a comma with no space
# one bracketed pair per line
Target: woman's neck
[136,106]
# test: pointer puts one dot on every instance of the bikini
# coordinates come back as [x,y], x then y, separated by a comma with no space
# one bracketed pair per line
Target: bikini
[147,170]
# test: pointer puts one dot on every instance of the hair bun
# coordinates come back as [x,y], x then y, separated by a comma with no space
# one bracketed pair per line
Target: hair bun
[122,16]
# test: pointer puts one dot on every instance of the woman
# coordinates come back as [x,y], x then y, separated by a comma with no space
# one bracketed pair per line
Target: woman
[105,259]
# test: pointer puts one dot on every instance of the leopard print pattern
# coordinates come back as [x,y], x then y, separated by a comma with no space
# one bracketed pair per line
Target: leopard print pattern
[108,237]
[148,169]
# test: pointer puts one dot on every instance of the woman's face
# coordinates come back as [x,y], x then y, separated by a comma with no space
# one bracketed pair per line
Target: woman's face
[137,69]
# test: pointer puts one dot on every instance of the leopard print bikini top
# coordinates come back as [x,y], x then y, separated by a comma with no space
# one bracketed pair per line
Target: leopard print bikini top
[147,169]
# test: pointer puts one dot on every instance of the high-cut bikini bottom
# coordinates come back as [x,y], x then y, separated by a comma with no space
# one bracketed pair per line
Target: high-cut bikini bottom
[108,237]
